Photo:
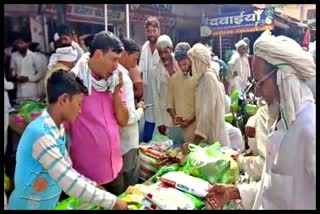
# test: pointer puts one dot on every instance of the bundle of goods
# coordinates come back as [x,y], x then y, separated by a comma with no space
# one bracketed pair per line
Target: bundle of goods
[72,203]
[212,165]
[159,152]
[159,197]
[28,110]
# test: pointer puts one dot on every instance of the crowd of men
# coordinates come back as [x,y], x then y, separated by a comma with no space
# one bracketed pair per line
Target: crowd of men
[94,97]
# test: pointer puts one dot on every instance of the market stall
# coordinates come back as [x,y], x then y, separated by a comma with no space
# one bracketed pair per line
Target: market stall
[180,183]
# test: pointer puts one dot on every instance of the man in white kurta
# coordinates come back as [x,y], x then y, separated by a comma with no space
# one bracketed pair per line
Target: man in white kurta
[24,65]
[281,70]
[43,65]
[148,58]
[130,133]
[165,68]
[239,68]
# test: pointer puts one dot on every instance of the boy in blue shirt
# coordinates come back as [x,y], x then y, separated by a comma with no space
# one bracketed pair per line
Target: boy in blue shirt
[43,167]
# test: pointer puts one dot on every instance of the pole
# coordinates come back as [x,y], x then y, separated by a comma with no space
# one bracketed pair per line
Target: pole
[220,42]
[127,21]
[45,32]
[106,17]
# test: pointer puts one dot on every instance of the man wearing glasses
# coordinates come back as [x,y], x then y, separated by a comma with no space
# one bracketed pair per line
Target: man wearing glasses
[281,71]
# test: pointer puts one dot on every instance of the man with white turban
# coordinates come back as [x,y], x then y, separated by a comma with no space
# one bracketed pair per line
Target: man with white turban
[281,70]
[64,58]
[210,98]
[239,68]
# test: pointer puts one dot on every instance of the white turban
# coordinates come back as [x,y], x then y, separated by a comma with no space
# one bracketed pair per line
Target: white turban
[295,68]
[56,37]
[240,43]
[201,60]
[66,54]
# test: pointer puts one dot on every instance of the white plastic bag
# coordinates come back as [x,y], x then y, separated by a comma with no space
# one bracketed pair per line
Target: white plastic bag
[235,137]
[182,181]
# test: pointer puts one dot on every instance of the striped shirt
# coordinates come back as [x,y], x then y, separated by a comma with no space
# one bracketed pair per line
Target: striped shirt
[46,151]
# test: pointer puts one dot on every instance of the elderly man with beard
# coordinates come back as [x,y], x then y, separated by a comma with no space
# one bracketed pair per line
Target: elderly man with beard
[210,98]
[281,70]
[148,58]
[165,68]
[239,68]
[181,94]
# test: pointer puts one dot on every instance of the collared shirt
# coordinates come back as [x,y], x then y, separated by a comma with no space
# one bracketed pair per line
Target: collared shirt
[46,151]
[26,66]
[130,133]
[181,95]
[95,138]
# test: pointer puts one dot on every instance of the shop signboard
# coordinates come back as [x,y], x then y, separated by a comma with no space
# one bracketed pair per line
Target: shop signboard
[88,14]
[238,22]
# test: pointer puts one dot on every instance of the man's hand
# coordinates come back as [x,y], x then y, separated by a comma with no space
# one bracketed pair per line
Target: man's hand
[247,152]
[119,86]
[218,195]
[185,123]
[23,79]
[120,205]
[141,105]
[185,148]
[250,131]
[162,129]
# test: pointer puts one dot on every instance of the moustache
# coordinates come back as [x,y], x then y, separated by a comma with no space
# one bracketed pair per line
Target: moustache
[152,38]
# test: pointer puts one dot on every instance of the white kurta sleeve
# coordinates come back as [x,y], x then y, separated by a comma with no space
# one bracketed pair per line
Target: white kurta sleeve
[37,75]
[8,85]
[134,115]
[156,99]
[248,194]
[253,165]
[310,157]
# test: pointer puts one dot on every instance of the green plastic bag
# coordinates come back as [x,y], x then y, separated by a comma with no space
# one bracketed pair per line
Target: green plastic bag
[131,198]
[235,97]
[7,183]
[72,203]
[165,169]
[27,109]
[251,109]
[159,138]
[207,163]
[198,203]
[228,117]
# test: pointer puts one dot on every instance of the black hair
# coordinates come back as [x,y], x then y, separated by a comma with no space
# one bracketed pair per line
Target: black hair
[88,40]
[106,41]
[152,21]
[33,46]
[61,82]
[130,46]
[64,30]
[57,44]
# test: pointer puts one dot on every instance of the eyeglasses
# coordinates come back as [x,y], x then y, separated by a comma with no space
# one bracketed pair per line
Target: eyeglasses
[259,83]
